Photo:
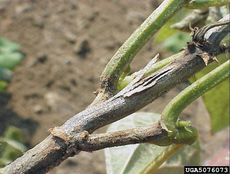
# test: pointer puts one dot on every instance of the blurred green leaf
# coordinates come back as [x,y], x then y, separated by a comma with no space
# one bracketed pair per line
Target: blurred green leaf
[10,60]
[10,153]
[11,145]
[226,40]
[133,159]
[216,100]
[217,103]
[176,42]
[14,134]
[172,39]
[14,144]
[8,46]
[3,85]
[188,155]
[10,56]
[5,74]
[3,162]
[166,31]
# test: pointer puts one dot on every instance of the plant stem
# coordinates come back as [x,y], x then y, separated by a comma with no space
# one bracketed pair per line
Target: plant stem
[172,111]
[176,106]
[206,3]
[135,42]
[181,101]
[165,155]
[124,82]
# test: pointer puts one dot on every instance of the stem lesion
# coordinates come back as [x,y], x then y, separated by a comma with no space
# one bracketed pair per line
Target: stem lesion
[125,54]
[153,133]
[176,131]
[110,83]
[171,130]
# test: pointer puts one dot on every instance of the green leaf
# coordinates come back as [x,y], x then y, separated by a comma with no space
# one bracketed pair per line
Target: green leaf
[5,74]
[11,145]
[14,144]
[217,103]
[10,60]
[216,100]
[133,159]
[176,42]
[166,31]
[8,46]
[188,155]
[10,153]
[3,162]
[10,56]
[3,85]
[172,39]
[14,133]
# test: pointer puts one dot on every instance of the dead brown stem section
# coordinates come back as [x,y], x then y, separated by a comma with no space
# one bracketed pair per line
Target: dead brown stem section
[94,142]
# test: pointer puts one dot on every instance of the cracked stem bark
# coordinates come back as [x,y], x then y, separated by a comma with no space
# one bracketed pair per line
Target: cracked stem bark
[133,44]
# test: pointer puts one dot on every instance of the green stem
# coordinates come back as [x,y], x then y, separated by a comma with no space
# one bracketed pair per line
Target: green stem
[172,111]
[206,3]
[165,155]
[136,41]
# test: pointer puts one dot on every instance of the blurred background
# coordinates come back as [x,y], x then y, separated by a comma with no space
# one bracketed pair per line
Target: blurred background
[51,56]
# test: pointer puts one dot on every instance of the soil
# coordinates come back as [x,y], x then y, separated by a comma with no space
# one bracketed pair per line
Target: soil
[67,44]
